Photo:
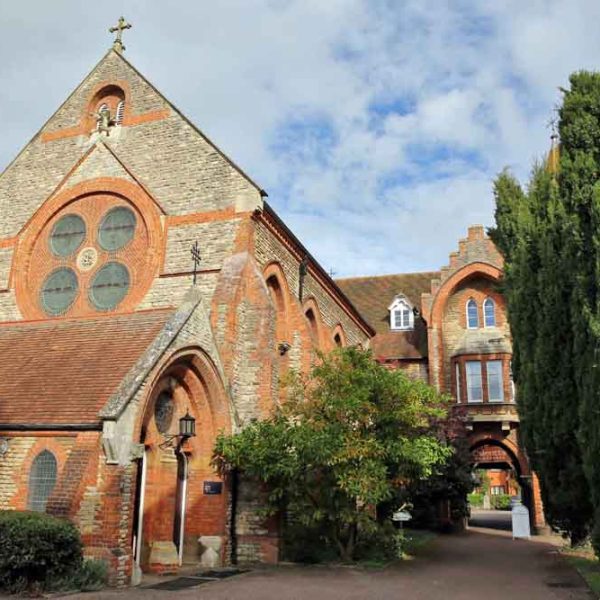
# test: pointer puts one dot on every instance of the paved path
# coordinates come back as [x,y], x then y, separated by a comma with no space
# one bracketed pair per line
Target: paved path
[477,565]
[492,519]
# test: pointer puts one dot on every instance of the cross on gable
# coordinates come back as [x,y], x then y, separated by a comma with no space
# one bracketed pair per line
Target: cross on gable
[118,29]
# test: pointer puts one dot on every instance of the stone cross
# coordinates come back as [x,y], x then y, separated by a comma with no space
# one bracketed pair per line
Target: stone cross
[118,29]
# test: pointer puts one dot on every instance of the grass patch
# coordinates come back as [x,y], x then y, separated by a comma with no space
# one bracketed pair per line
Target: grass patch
[588,566]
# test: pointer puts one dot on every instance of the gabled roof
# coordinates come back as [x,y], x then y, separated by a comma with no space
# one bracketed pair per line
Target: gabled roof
[62,372]
[372,297]
[183,177]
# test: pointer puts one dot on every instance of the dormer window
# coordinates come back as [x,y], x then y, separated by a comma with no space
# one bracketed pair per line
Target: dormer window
[401,315]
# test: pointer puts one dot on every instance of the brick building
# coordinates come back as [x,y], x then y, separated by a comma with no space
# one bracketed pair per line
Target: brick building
[111,330]
[450,328]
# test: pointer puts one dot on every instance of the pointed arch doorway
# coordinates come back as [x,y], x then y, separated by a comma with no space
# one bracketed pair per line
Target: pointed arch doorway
[171,512]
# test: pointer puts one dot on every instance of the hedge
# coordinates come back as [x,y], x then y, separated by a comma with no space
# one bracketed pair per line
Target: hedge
[36,549]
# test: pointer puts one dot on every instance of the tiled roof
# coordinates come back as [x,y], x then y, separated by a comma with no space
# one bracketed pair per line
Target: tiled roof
[63,371]
[372,297]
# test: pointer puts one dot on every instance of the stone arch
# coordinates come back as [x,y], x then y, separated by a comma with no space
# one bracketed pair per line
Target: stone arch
[171,510]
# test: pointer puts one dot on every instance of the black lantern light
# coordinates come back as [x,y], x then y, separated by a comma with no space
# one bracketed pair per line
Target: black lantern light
[187,426]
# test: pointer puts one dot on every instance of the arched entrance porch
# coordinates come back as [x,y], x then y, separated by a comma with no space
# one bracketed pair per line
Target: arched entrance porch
[180,510]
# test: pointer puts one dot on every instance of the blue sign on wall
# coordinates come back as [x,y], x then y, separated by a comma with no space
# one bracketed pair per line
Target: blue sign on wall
[212,488]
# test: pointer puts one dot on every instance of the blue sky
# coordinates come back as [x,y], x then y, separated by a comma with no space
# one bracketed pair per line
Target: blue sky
[375,126]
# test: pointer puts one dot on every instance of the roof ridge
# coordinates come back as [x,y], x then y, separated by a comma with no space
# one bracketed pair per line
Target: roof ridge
[387,275]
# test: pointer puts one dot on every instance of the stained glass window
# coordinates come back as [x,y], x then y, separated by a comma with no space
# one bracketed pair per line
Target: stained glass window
[59,291]
[42,479]
[67,235]
[109,286]
[163,412]
[117,228]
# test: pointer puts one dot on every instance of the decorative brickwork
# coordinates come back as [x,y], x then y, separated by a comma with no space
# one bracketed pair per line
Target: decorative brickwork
[102,383]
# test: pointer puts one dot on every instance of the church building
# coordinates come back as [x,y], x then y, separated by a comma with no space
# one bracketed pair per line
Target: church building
[149,298]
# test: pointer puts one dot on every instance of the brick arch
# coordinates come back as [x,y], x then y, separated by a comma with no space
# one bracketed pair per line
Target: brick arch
[508,446]
[185,365]
[124,192]
[279,291]
[315,325]
[449,285]
[21,476]
[338,330]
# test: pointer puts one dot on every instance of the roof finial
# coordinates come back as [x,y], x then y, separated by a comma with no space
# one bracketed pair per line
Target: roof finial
[119,28]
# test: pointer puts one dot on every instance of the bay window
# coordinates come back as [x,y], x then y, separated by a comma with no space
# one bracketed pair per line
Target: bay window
[474,381]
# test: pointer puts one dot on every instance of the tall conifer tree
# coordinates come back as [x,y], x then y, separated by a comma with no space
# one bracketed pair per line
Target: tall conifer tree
[551,243]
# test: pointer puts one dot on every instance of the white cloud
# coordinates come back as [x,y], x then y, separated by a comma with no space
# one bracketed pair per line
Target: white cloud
[376,126]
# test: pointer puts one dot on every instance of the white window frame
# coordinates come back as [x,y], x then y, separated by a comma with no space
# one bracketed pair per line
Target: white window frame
[470,385]
[457,374]
[487,302]
[501,374]
[471,302]
[406,310]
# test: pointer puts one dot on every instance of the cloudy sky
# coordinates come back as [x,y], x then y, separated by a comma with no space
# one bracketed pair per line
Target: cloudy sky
[375,126]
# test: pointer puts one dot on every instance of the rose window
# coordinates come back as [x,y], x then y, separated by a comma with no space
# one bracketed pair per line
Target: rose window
[89,257]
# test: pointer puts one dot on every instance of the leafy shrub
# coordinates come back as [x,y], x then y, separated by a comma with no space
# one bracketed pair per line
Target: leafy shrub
[36,549]
[381,544]
[500,502]
[476,500]
[90,577]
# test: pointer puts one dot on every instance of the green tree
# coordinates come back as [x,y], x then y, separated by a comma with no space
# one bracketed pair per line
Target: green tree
[550,240]
[350,432]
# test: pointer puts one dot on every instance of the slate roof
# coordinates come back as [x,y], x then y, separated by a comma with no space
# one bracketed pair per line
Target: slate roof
[372,297]
[60,372]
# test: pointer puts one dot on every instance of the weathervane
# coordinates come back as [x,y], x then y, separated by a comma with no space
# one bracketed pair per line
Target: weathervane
[195,251]
[118,29]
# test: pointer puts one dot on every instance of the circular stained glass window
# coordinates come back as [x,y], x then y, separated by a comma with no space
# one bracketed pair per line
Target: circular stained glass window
[67,235]
[59,291]
[117,228]
[163,412]
[109,286]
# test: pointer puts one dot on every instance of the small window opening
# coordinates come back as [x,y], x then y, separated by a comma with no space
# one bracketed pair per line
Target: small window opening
[120,112]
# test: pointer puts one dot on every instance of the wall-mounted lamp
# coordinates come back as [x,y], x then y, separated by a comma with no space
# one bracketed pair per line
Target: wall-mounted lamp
[187,429]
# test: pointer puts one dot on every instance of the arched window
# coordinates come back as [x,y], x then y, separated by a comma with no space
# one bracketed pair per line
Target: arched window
[337,340]
[489,312]
[472,316]
[120,111]
[42,479]
[312,326]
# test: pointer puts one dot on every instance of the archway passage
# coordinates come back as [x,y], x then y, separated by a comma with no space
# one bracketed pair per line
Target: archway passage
[181,502]
[499,482]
